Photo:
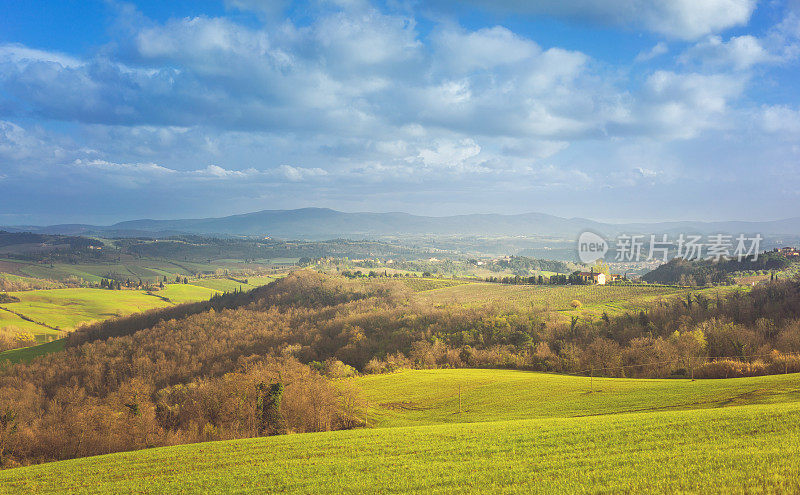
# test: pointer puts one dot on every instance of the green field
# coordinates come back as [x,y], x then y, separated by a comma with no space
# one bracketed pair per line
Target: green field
[594,299]
[8,319]
[426,284]
[148,270]
[229,285]
[182,293]
[138,269]
[54,311]
[518,432]
[432,396]
[67,308]
[28,353]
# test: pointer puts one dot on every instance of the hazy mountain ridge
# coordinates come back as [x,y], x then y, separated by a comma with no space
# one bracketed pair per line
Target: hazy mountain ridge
[324,223]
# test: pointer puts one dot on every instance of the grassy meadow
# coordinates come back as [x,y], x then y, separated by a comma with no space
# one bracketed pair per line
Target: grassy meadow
[519,432]
[420,397]
[594,299]
[27,353]
[135,268]
[67,308]
[231,284]
[426,284]
[9,319]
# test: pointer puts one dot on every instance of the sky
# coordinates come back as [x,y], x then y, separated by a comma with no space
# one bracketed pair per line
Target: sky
[615,110]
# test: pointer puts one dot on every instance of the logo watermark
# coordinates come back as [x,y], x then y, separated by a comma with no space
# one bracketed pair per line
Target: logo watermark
[641,247]
[591,247]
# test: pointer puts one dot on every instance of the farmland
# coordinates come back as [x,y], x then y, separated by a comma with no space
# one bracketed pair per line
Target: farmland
[231,284]
[122,266]
[25,354]
[426,284]
[53,310]
[537,442]
[445,385]
[64,309]
[594,299]
[48,314]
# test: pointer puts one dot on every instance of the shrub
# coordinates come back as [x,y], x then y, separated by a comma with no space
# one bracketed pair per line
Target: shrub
[12,337]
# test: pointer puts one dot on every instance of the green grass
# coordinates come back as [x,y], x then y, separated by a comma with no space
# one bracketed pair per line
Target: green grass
[594,299]
[182,293]
[431,396]
[535,433]
[8,319]
[228,285]
[146,269]
[426,284]
[220,284]
[28,353]
[263,280]
[66,308]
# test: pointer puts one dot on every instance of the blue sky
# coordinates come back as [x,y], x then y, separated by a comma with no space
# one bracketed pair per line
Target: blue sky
[620,110]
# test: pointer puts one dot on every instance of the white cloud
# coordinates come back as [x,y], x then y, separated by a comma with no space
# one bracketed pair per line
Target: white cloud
[659,49]
[358,96]
[685,19]
[781,119]
[127,168]
[366,39]
[217,172]
[15,142]
[21,54]
[198,40]
[681,106]
[297,174]
[486,48]
[739,53]
[357,74]
[550,176]
[450,154]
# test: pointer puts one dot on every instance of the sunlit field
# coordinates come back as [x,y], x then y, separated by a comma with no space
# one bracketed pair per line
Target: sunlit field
[518,432]
[593,299]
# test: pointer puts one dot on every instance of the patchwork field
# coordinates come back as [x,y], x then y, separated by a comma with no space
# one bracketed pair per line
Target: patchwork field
[594,299]
[231,284]
[48,313]
[67,308]
[149,270]
[532,438]
[432,396]
[64,309]
[426,284]
[9,319]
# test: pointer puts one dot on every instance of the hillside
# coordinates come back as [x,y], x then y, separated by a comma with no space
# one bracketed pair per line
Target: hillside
[200,372]
[533,443]
[324,223]
[421,397]
[703,272]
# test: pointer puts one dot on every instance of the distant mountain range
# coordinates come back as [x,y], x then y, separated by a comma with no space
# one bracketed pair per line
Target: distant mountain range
[324,223]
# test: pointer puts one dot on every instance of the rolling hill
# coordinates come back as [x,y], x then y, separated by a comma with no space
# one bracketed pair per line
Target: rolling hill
[519,432]
[324,223]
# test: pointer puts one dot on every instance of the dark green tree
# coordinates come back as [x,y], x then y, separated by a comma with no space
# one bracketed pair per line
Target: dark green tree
[269,420]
